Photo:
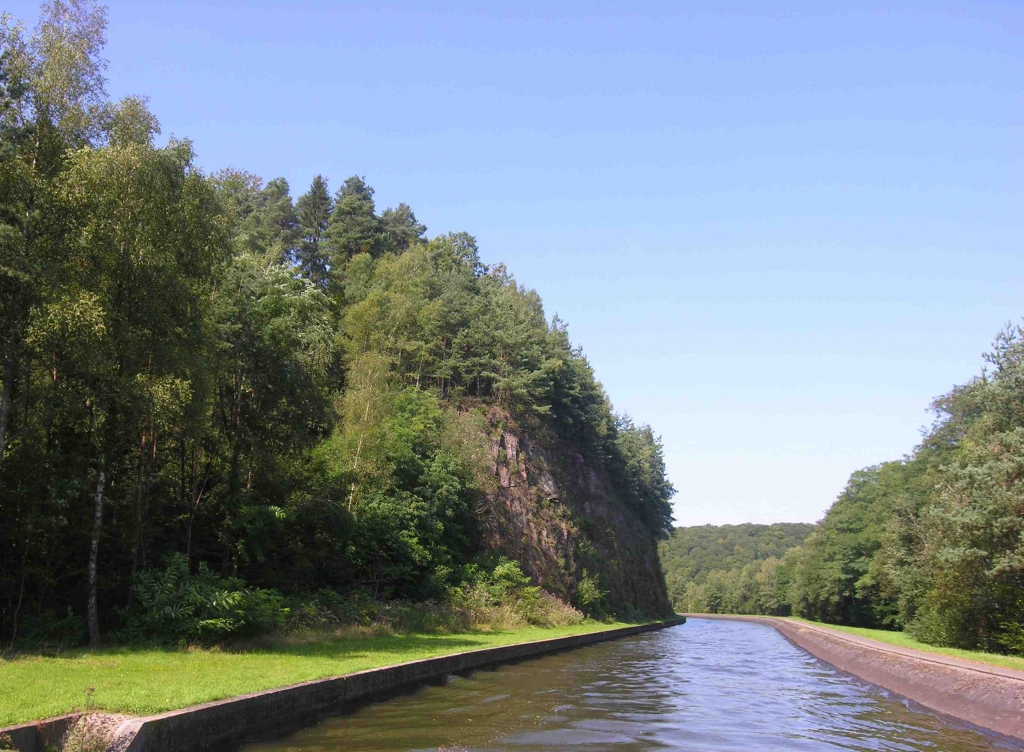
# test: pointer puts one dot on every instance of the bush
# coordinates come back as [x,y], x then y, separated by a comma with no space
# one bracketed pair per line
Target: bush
[504,599]
[48,631]
[501,599]
[174,605]
[1012,637]
[589,594]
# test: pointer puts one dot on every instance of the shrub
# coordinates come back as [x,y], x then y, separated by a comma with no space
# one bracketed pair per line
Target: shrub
[589,594]
[501,599]
[1012,637]
[173,605]
[504,599]
[48,631]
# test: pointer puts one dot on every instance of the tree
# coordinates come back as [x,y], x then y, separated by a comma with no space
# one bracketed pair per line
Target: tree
[354,226]
[763,554]
[972,550]
[143,242]
[648,482]
[52,98]
[955,559]
[834,577]
[315,210]
[263,218]
[197,374]
[401,228]
[270,399]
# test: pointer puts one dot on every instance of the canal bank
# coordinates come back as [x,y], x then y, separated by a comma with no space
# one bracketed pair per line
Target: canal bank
[221,724]
[705,687]
[991,697]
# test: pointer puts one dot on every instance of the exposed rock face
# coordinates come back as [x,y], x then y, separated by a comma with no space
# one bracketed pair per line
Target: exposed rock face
[559,514]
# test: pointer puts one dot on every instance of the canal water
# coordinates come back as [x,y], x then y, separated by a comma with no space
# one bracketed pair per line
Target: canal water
[708,686]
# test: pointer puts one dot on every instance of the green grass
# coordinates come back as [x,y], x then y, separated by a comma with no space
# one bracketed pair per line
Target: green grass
[906,641]
[147,681]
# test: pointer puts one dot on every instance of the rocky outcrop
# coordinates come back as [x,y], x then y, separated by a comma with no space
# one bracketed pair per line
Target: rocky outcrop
[558,513]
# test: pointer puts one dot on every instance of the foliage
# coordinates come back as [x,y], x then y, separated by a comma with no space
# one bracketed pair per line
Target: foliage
[504,599]
[970,553]
[174,604]
[287,393]
[705,565]
[837,578]
[932,544]
[501,599]
[49,631]
[589,594]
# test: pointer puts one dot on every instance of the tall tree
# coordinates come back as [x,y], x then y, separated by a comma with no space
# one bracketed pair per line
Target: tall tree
[263,217]
[354,227]
[197,368]
[52,99]
[145,241]
[275,223]
[401,228]
[315,209]
[271,398]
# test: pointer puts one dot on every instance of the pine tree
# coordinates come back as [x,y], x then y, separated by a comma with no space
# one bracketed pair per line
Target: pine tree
[315,209]
[401,228]
[354,226]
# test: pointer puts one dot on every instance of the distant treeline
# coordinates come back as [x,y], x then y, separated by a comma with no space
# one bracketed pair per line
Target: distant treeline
[729,568]
[215,397]
[932,544]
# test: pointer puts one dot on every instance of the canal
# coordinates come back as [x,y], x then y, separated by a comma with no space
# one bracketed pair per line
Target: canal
[712,686]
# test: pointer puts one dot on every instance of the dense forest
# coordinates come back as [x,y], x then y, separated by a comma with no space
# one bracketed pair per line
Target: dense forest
[728,568]
[218,401]
[932,544]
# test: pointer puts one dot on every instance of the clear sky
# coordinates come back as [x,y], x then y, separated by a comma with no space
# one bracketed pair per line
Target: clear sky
[777,230]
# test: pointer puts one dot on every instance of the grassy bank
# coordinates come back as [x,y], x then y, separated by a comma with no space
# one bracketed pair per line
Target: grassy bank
[906,641]
[146,681]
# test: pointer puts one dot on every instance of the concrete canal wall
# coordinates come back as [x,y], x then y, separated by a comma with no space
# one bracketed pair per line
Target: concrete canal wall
[988,696]
[219,725]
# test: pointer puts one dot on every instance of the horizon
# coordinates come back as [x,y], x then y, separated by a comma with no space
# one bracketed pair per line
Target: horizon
[776,236]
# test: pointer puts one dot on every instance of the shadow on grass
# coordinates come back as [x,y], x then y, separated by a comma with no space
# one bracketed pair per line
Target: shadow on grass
[413,645]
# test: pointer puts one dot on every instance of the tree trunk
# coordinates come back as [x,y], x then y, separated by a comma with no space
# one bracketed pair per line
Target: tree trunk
[137,521]
[197,496]
[21,589]
[359,449]
[94,550]
[5,399]
[362,434]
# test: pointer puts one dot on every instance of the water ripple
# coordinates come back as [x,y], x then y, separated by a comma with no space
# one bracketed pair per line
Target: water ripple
[711,686]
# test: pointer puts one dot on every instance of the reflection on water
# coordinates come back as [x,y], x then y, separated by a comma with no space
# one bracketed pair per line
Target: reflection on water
[707,685]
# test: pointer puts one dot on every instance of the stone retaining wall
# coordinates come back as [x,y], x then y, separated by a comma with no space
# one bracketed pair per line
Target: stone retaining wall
[39,736]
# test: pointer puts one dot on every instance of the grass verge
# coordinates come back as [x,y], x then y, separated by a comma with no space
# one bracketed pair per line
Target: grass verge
[906,641]
[146,681]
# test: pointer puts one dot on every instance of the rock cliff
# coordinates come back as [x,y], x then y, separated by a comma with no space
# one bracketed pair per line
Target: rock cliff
[559,514]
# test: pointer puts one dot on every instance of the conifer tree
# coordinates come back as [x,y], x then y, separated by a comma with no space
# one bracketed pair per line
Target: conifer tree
[354,225]
[401,228]
[314,209]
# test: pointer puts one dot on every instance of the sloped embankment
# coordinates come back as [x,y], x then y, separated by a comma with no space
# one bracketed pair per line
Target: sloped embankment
[988,696]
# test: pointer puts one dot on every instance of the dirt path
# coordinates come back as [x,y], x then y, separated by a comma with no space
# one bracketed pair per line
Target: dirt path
[988,696]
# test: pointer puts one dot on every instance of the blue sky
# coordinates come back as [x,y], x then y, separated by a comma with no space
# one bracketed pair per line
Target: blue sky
[778,232]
